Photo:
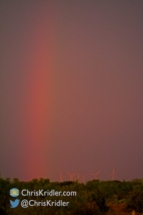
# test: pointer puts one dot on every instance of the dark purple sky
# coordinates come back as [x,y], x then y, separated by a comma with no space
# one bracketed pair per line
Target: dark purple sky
[89,56]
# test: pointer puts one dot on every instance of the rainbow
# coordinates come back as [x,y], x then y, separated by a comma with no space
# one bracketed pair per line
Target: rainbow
[36,106]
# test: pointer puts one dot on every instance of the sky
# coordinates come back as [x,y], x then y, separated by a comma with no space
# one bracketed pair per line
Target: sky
[71,89]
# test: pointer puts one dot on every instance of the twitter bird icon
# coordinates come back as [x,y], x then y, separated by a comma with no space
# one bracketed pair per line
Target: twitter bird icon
[15,203]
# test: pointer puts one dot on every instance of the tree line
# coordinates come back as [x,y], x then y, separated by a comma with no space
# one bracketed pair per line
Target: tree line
[93,198]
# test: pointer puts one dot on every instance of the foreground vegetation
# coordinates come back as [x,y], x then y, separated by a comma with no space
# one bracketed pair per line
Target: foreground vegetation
[93,198]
